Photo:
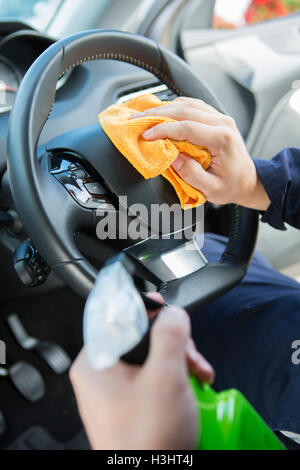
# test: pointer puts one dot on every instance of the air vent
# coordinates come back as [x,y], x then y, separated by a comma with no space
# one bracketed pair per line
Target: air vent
[162,91]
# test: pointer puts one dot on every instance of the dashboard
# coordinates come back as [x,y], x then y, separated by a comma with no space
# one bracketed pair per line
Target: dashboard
[18,51]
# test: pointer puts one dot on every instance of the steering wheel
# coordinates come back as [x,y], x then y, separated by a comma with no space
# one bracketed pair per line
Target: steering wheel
[52,200]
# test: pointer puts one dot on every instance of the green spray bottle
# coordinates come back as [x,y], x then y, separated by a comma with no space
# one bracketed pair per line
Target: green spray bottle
[227,421]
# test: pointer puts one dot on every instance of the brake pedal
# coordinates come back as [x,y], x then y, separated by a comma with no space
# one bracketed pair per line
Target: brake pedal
[2,424]
[27,380]
[55,356]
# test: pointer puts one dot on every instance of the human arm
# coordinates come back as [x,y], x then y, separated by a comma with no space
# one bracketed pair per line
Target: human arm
[269,186]
[148,407]
[231,177]
[280,177]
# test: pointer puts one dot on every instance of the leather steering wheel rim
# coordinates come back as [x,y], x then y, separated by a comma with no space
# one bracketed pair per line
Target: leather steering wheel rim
[31,110]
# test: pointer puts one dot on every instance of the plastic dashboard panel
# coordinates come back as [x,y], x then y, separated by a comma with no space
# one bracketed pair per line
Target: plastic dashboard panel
[80,100]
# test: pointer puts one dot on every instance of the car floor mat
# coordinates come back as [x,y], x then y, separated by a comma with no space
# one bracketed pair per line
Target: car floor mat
[56,315]
[53,354]
[38,438]
[26,379]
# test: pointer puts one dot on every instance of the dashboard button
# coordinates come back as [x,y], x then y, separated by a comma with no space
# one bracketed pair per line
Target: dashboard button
[78,173]
[95,189]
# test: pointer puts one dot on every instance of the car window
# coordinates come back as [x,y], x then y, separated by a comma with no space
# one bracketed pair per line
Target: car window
[38,13]
[233,14]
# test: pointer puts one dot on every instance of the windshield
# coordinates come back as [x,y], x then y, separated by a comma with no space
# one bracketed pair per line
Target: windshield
[38,13]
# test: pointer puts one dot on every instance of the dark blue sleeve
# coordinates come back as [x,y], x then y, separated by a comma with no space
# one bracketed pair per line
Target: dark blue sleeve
[281,179]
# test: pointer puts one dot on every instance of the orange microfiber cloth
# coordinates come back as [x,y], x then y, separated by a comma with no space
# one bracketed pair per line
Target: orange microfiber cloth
[156,157]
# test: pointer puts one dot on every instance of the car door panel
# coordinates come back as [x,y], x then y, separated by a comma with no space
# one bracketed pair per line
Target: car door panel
[263,61]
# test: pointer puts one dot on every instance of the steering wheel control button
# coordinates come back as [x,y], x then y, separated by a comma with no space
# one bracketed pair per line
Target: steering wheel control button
[95,189]
[78,182]
[78,193]
[80,185]
[29,265]
[72,166]
[78,173]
